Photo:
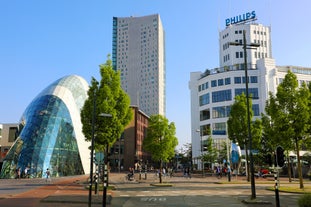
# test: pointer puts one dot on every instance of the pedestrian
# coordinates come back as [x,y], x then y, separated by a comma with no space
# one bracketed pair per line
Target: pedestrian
[48,175]
[18,173]
[188,172]
[26,172]
[130,176]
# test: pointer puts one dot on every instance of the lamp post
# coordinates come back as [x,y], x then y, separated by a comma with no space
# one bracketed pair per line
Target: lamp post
[201,148]
[92,149]
[248,46]
[105,182]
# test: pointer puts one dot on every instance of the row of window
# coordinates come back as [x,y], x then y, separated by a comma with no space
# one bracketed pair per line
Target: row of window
[227,81]
[220,128]
[241,32]
[223,112]
[226,95]
[241,55]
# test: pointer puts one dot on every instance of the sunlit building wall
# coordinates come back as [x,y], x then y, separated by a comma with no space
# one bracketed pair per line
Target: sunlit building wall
[138,52]
[8,135]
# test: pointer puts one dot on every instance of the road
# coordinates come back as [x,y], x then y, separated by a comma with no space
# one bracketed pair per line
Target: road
[196,192]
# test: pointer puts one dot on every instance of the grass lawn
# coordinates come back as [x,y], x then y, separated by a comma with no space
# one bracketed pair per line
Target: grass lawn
[292,189]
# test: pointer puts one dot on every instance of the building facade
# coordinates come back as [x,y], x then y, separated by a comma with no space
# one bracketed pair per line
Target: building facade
[50,133]
[128,148]
[138,52]
[8,135]
[213,91]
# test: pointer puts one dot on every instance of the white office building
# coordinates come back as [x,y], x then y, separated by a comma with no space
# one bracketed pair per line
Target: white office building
[138,52]
[213,91]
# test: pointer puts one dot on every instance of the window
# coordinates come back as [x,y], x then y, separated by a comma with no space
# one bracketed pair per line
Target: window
[236,54]
[227,81]
[221,111]
[241,54]
[254,79]
[253,92]
[219,96]
[205,130]
[205,115]
[237,80]
[220,82]
[12,134]
[206,85]
[243,79]
[214,83]
[255,109]
[204,99]
[219,128]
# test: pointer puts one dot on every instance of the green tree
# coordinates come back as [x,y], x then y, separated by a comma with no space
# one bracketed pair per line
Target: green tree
[238,125]
[289,112]
[109,98]
[237,121]
[160,140]
[209,151]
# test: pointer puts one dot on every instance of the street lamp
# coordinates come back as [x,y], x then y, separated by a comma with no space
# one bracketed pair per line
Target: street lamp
[105,183]
[92,149]
[201,146]
[248,46]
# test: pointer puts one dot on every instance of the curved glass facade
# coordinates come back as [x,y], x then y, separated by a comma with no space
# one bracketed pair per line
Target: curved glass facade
[50,133]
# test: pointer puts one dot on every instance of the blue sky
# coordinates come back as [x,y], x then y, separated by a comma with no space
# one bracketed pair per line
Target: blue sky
[41,41]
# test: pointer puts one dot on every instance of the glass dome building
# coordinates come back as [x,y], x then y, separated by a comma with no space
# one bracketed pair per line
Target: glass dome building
[51,133]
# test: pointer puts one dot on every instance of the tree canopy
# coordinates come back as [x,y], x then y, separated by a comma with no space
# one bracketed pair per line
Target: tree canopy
[106,97]
[160,140]
[289,112]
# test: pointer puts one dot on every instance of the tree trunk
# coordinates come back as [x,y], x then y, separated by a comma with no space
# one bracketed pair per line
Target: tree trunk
[299,164]
[289,171]
[160,171]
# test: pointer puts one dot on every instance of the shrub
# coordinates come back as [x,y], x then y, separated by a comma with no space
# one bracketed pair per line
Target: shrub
[305,200]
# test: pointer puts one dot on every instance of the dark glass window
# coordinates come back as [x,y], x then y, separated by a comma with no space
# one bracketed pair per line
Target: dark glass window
[254,79]
[219,96]
[237,80]
[220,82]
[204,99]
[253,92]
[255,109]
[205,115]
[214,83]
[227,81]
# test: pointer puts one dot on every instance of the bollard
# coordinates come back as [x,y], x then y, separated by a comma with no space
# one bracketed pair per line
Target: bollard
[105,182]
[277,199]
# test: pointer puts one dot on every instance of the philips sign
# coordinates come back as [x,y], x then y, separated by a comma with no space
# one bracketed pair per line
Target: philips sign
[241,18]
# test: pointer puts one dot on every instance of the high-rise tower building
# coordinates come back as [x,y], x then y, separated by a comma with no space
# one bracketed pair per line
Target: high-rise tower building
[138,52]
[255,33]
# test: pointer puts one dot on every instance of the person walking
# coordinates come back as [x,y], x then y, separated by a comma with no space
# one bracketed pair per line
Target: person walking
[48,175]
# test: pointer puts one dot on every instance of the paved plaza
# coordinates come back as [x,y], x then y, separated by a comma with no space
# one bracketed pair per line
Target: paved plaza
[183,192]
